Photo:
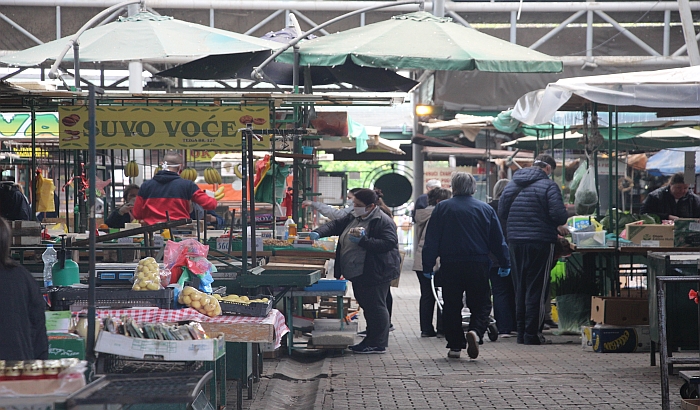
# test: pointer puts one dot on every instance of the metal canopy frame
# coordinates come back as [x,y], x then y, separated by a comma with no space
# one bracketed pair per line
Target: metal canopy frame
[581,13]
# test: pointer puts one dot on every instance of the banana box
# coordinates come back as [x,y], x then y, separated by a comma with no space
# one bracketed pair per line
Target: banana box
[616,339]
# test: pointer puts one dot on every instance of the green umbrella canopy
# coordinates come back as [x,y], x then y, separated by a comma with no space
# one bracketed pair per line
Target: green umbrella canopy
[145,37]
[422,41]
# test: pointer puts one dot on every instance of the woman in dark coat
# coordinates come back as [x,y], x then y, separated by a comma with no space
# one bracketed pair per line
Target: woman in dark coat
[23,324]
[368,256]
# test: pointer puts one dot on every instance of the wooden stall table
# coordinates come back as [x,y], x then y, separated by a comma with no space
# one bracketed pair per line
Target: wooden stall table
[242,334]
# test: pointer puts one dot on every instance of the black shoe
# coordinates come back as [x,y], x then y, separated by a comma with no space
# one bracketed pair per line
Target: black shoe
[391,328]
[472,344]
[440,335]
[368,349]
[552,324]
[428,334]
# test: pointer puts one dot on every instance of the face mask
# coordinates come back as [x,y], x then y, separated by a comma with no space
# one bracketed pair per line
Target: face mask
[350,203]
[359,211]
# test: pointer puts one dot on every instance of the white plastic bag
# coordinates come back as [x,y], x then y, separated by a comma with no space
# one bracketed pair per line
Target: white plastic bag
[586,197]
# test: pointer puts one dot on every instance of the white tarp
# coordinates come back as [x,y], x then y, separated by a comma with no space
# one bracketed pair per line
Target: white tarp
[673,88]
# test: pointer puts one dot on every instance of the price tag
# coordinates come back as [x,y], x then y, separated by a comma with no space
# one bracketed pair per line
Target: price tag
[222,244]
[125,240]
[158,241]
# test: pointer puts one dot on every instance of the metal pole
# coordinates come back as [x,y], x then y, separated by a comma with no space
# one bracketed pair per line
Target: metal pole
[689,32]
[32,172]
[251,182]
[92,177]
[76,65]
[439,8]
[244,201]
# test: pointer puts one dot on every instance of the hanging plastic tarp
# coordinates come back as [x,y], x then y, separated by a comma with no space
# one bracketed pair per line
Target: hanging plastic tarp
[359,133]
[263,190]
[672,88]
[669,161]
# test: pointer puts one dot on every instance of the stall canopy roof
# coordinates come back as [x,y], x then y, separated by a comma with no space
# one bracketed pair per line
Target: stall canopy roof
[632,137]
[478,153]
[670,161]
[677,89]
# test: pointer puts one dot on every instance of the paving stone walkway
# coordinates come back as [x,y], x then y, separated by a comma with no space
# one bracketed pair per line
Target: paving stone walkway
[416,374]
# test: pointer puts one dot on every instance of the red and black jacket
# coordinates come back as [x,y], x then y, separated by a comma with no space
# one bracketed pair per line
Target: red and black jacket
[168,192]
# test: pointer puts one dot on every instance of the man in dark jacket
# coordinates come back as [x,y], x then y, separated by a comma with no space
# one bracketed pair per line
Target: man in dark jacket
[532,207]
[13,203]
[462,232]
[673,201]
[168,192]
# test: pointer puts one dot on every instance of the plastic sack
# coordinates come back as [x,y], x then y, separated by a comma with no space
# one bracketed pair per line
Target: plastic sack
[576,180]
[147,275]
[179,254]
[574,311]
[586,197]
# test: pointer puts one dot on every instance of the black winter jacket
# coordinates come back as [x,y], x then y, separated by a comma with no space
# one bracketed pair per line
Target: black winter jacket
[381,243]
[662,203]
[532,207]
[23,335]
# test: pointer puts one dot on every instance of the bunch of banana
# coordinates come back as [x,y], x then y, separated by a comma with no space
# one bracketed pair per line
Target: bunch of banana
[219,193]
[189,173]
[212,176]
[132,169]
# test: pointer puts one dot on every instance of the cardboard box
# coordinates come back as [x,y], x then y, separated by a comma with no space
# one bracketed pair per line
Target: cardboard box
[690,404]
[686,233]
[37,394]
[619,311]
[183,350]
[65,346]
[58,321]
[650,235]
[616,339]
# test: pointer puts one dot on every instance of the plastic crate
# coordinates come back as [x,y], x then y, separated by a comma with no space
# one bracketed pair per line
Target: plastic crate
[63,298]
[327,285]
[588,239]
[252,309]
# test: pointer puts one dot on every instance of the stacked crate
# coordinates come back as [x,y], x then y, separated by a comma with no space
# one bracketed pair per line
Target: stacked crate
[25,233]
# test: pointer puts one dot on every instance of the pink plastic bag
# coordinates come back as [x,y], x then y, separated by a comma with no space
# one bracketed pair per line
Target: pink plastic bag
[188,253]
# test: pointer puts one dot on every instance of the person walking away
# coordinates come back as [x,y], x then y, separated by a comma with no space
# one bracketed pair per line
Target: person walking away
[426,306]
[368,255]
[462,232]
[673,200]
[122,215]
[422,200]
[24,324]
[168,192]
[533,211]
[502,287]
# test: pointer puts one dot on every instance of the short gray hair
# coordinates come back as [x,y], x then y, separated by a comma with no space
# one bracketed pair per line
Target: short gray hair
[499,187]
[463,183]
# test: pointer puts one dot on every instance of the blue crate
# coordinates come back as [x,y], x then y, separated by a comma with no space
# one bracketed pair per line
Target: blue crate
[327,285]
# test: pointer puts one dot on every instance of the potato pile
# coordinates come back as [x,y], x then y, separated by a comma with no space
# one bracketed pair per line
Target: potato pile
[147,276]
[200,301]
[244,300]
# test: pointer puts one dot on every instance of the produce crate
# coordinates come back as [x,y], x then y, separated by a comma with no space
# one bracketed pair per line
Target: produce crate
[115,364]
[252,309]
[63,298]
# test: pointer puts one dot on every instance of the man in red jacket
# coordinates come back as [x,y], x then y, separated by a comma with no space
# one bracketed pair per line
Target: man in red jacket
[168,192]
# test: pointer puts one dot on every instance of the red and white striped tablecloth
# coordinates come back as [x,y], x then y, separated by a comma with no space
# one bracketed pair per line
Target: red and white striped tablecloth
[275,317]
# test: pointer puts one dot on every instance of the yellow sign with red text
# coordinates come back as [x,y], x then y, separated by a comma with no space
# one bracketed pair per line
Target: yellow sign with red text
[163,127]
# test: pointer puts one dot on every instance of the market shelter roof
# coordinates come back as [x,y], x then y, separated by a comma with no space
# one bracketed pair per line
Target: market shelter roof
[476,153]
[421,41]
[675,89]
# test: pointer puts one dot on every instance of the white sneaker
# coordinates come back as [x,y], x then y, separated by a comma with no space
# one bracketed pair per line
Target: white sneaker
[454,354]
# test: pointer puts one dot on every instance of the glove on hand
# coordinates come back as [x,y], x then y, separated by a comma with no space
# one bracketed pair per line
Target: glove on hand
[314,236]
[429,275]
[503,272]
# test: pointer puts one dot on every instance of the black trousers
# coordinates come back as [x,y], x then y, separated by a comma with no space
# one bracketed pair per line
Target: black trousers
[531,264]
[503,301]
[473,279]
[372,300]
[426,306]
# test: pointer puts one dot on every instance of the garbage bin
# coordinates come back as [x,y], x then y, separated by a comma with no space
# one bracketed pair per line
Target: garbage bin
[681,313]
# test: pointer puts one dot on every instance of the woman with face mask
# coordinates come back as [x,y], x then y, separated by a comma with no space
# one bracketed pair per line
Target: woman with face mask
[368,255]
[331,212]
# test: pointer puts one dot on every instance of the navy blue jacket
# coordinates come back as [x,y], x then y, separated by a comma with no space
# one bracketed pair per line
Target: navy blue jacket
[463,229]
[662,203]
[532,207]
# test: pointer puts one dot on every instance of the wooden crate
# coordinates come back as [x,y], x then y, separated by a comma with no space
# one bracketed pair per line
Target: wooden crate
[328,307]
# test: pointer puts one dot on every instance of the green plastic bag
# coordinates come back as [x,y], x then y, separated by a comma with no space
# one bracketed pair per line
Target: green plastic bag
[578,174]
